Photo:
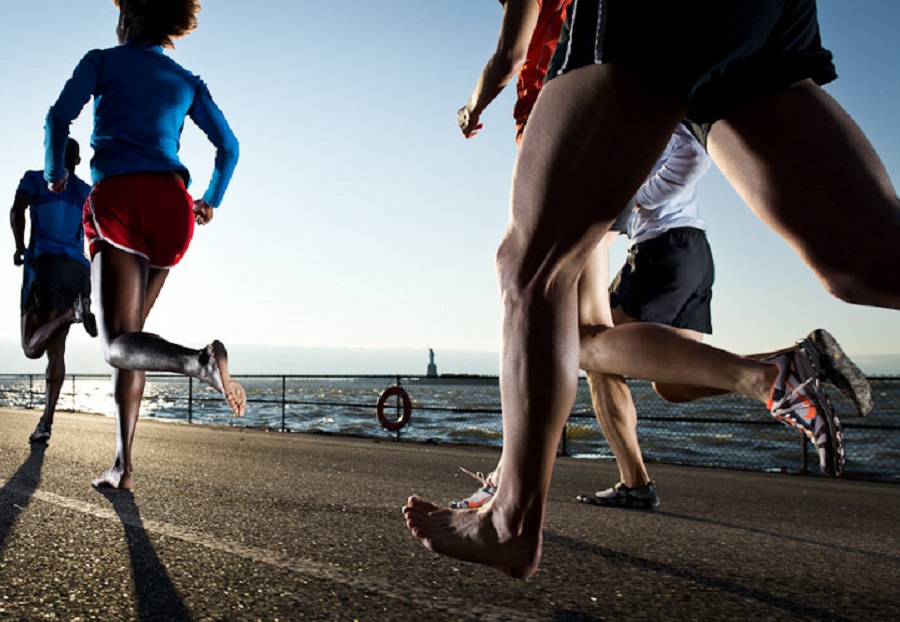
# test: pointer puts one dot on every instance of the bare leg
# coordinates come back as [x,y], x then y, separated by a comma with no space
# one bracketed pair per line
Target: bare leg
[128,290]
[126,286]
[594,119]
[614,351]
[617,416]
[128,390]
[805,168]
[610,396]
[55,375]
[680,393]
[39,330]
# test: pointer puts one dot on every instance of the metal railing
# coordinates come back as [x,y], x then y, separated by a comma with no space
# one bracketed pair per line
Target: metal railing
[728,431]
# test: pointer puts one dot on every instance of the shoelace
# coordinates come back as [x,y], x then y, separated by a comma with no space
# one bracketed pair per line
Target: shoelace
[778,409]
[479,476]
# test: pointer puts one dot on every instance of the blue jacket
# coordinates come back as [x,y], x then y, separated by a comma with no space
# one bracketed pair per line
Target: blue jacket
[141,98]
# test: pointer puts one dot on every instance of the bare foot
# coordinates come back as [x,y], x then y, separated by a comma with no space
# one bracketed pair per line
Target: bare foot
[114,478]
[473,536]
[214,360]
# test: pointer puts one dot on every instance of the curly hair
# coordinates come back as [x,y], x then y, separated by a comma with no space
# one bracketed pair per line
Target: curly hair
[157,22]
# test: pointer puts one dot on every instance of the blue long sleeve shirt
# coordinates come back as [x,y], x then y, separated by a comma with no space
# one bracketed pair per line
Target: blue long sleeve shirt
[141,98]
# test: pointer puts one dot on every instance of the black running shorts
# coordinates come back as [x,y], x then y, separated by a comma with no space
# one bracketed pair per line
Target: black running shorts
[53,282]
[668,280]
[717,54]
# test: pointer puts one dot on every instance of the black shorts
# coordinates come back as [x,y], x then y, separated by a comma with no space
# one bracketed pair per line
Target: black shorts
[717,54]
[668,280]
[53,282]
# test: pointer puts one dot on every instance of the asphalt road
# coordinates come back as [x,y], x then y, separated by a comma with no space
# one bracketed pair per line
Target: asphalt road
[237,524]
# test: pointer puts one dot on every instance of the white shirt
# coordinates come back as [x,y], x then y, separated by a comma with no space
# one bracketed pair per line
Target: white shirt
[668,198]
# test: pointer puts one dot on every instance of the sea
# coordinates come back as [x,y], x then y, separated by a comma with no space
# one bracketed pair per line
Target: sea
[727,432]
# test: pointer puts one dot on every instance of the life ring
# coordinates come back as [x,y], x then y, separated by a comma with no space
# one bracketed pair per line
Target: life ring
[394,425]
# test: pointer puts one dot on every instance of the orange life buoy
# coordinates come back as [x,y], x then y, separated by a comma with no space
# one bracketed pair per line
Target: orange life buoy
[393,425]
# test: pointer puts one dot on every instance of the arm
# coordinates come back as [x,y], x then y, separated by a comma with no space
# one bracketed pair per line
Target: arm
[75,94]
[519,20]
[211,121]
[684,167]
[17,222]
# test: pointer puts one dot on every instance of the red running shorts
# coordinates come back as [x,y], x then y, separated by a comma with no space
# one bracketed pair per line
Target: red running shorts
[147,214]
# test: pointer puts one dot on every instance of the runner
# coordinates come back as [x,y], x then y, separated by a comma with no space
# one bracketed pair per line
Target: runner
[56,276]
[613,112]
[139,219]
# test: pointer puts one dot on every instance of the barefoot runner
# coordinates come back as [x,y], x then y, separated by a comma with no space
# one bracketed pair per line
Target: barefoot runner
[139,218]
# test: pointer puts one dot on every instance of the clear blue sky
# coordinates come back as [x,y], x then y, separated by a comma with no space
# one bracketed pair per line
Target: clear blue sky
[359,217]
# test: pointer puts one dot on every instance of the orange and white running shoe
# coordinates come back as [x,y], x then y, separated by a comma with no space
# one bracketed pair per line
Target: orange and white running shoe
[799,401]
[482,496]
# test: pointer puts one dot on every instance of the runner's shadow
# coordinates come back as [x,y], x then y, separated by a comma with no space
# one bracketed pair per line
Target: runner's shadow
[16,494]
[157,597]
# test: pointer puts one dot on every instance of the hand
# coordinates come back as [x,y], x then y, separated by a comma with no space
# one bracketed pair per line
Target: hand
[19,257]
[59,186]
[468,122]
[203,212]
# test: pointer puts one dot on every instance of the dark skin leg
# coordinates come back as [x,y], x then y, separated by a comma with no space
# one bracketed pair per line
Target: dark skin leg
[39,330]
[128,290]
[55,375]
[129,388]
[46,333]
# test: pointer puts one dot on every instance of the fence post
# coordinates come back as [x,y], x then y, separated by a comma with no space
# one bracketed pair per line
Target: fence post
[804,454]
[30,390]
[283,400]
[73,393]
[398,407]
[190,399]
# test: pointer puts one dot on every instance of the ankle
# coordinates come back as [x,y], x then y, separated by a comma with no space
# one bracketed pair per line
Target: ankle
[765,380]
[514,520]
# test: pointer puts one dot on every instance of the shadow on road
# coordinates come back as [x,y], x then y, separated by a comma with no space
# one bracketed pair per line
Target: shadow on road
[157,597]
[16,494]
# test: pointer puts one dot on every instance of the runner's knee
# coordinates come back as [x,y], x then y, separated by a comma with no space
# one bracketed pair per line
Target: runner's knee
[530,276]
[32,352]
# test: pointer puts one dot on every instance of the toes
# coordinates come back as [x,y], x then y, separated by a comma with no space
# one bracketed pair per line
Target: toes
[237,399]
[421,505]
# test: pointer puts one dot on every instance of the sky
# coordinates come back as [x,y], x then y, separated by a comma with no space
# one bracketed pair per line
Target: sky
[360,227]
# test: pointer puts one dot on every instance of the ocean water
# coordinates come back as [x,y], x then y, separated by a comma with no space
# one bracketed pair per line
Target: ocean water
[728,431]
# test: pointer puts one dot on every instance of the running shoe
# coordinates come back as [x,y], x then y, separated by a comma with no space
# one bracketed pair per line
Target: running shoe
[799,401]
[482,496]
[41,433]
[621,496]
[836,368]
[83,315]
